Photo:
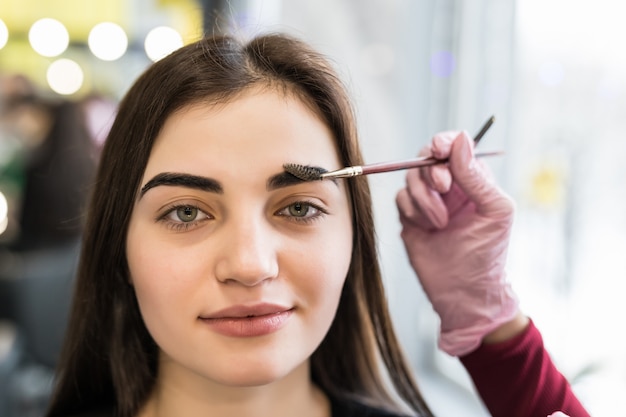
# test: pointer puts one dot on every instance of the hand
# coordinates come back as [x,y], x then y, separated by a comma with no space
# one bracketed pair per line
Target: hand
[455,226]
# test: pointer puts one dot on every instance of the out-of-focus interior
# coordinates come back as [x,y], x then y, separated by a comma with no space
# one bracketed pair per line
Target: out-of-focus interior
[551,71]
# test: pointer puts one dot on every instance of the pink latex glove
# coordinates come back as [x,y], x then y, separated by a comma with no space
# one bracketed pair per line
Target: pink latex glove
[456,226]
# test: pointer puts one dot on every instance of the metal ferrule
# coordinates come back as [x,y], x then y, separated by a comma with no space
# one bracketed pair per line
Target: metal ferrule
[343,173]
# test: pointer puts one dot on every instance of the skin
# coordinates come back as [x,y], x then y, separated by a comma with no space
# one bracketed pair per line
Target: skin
[508,330]
[248,244]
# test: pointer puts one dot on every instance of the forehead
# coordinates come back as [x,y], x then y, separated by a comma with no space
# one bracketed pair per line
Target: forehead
[256,129]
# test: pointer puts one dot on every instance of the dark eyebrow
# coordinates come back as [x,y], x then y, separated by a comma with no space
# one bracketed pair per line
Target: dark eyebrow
[183,180]
[285,179]
[281,180]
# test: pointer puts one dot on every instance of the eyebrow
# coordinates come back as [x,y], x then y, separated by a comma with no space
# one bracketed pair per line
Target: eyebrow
[183,180]
[286,179]
[280,180]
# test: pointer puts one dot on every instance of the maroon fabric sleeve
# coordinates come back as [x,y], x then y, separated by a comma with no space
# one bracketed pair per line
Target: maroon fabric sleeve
[517,378]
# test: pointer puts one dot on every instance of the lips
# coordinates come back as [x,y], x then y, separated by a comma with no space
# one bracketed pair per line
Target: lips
[248,321]
[242,311]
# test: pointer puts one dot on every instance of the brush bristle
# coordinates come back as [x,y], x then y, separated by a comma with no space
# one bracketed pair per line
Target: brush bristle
[304,172]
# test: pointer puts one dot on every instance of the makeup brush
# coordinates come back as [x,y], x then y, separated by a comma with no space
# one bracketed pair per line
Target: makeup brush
[309,173]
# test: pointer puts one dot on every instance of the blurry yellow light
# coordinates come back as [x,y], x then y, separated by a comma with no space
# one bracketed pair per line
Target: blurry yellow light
[162,41]
[65,76]
[4,213]
[48,37]
[107,41]
[4,34]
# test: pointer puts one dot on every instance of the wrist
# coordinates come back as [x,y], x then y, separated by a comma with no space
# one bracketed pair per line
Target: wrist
[507,330]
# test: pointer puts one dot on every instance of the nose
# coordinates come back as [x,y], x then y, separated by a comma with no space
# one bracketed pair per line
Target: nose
[248,254]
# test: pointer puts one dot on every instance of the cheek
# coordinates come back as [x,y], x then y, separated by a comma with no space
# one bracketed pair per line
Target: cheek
[157,262]
[323,269]
[164,284]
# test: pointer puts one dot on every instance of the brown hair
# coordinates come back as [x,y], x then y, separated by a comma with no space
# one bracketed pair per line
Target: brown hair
[109,359]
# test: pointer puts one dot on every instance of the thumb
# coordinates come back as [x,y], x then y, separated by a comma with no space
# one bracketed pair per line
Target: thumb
[471,177]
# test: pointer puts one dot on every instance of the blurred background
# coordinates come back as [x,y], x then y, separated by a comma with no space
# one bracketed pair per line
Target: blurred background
[553,72]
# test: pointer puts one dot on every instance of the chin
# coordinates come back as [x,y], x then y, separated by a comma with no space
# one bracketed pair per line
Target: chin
[245,377]
[259,371]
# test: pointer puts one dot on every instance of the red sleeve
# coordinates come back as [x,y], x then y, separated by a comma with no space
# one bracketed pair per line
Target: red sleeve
[517,378]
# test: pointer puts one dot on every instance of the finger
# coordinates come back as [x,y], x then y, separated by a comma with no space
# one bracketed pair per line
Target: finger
[438,176]
[473,180]
[410,215]
[455,200]
[441,144]
[422,206]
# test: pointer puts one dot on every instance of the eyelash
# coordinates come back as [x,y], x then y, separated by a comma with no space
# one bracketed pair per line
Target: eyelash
[180,226]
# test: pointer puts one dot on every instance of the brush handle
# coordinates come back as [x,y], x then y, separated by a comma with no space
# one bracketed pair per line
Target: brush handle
[414,163]
[425,160]
[422,161]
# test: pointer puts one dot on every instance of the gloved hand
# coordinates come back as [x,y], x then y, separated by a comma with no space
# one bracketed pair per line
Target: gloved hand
[455,226]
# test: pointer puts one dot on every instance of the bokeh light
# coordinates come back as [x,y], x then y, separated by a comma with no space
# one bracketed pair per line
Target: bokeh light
[65,76]
[162,41]
[4,213]
[48,37]
[107,41]
[442,64]
[4,224]
[4,34]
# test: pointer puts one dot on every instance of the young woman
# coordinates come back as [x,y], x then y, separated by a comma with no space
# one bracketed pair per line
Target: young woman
[213,283]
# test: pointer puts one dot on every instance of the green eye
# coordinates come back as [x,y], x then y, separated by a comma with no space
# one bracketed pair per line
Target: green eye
[302,212]
[299,209]
[187,213]
[184,217]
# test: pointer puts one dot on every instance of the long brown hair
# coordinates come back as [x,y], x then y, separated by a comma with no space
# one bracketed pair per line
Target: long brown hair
[109,359]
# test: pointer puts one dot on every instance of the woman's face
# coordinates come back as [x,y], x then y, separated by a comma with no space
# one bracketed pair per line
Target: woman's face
[237,266]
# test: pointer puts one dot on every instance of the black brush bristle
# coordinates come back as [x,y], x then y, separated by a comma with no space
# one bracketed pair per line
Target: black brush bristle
[304,172]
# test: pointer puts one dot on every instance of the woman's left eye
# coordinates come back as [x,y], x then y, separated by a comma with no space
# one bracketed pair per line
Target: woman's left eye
[302,211]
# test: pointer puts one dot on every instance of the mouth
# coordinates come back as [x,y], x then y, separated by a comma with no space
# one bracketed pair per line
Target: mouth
[244,311]
[248,321]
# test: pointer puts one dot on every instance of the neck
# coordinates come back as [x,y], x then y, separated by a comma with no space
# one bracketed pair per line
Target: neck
[191,395]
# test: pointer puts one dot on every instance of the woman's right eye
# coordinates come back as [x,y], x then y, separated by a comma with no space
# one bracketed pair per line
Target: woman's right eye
[186,213]
[183,217]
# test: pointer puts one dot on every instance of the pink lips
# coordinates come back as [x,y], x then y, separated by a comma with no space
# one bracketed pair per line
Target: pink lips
[248,321]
